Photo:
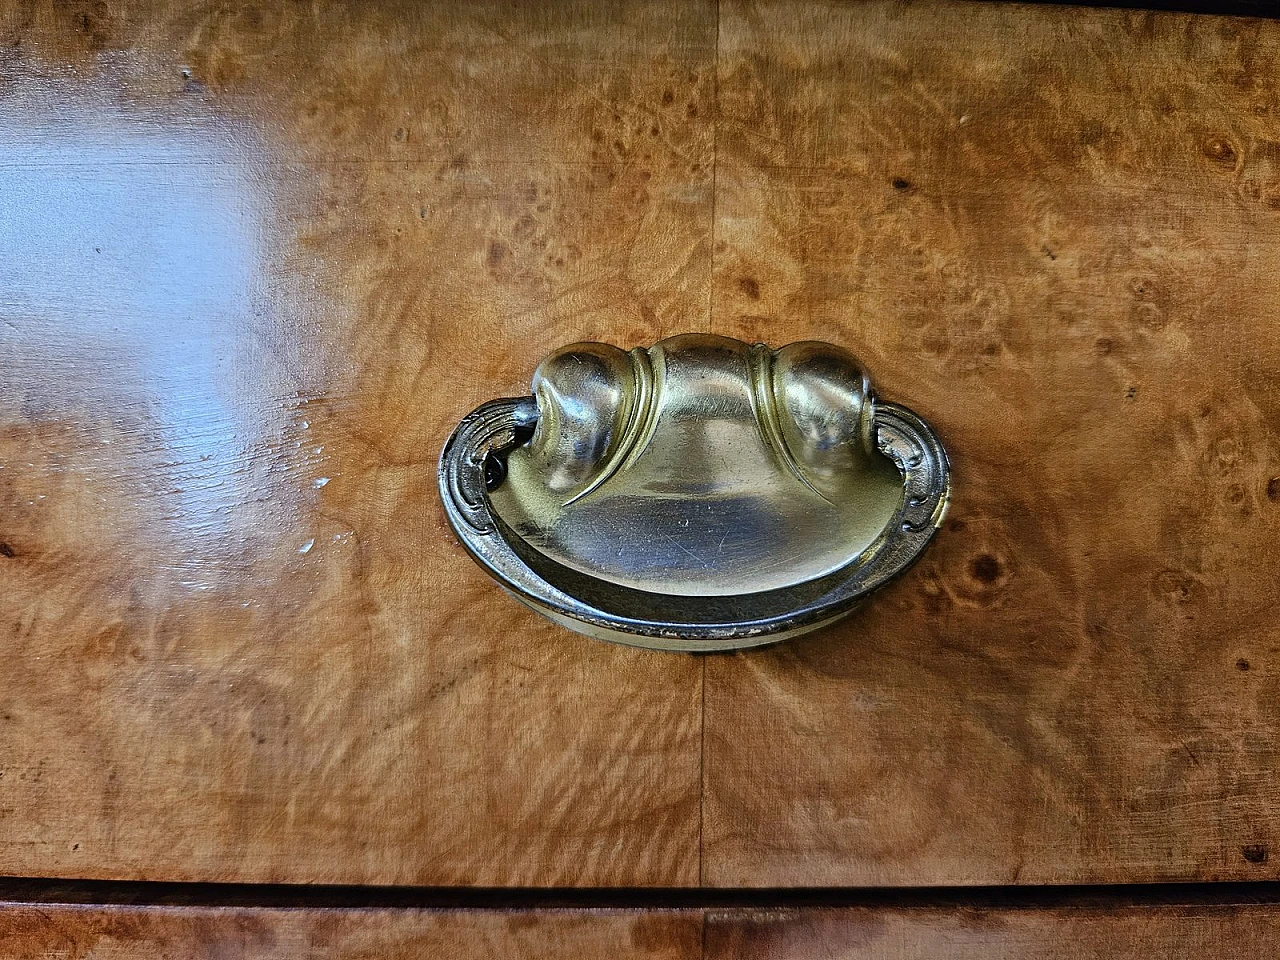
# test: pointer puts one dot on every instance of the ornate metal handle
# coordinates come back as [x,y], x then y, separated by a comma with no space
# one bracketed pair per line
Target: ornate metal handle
[701,494]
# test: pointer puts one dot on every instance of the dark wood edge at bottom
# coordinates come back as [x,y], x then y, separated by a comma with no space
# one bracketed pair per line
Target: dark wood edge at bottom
[25,890]
[1261,9]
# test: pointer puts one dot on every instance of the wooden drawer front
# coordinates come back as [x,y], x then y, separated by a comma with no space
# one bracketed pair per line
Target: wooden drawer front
[255,263]
[952,933]
[259,264]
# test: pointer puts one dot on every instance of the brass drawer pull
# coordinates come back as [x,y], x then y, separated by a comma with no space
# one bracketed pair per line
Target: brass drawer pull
[703,494]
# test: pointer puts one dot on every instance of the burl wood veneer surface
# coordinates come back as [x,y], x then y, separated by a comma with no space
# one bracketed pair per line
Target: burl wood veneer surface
[1056,234]
[256,260]
[1099,933]
[233,933]
[49,931]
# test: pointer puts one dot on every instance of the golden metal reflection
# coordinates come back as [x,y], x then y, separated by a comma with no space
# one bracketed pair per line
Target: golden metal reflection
[701,466]
[701,494]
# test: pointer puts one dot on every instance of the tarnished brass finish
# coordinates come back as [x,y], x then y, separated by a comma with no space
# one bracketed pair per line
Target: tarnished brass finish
[701,494]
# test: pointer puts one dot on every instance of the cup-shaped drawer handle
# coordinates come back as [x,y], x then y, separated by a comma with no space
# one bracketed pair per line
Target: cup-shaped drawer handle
[700,494]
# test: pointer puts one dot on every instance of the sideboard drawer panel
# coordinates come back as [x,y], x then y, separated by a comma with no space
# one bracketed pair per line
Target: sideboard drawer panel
[256,263]
[1175,932]
[1056,234]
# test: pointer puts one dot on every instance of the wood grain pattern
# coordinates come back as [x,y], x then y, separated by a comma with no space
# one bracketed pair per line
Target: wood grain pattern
[242,933]
[1104,933]
[1243,932]
[1056,235]
[257,261]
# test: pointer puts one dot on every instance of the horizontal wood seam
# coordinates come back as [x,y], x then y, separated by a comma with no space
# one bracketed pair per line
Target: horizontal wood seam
[25,890]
